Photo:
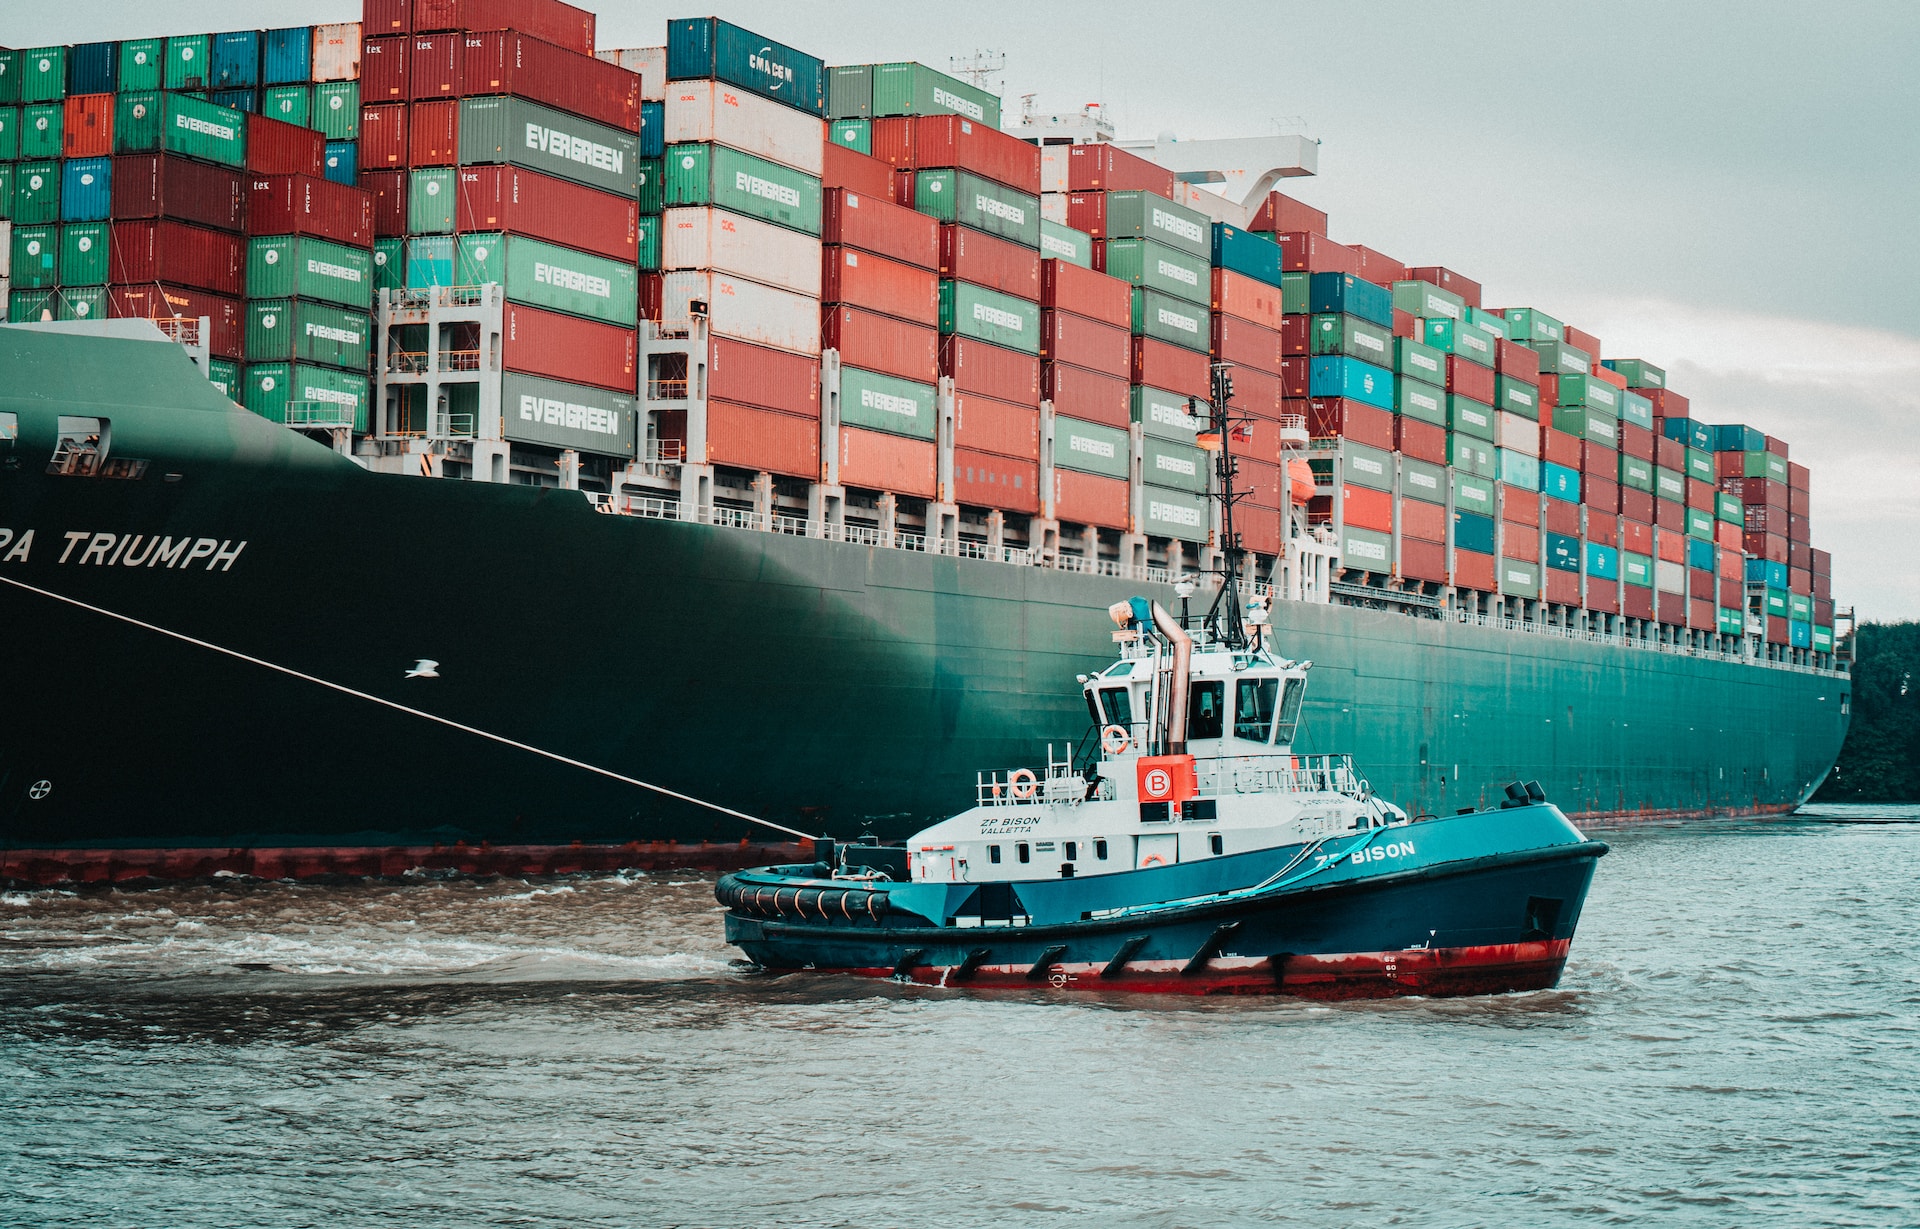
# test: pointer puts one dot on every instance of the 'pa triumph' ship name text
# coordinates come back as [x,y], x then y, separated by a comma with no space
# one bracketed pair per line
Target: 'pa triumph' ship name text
[134,550]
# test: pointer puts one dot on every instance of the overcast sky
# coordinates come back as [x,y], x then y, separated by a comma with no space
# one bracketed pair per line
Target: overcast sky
[1728,190]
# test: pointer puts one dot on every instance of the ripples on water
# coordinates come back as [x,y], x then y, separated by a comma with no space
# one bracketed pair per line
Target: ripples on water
[1734,1043]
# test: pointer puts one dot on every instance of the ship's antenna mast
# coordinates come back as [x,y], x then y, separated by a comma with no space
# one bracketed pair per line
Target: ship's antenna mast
[976,68]
[1225,622]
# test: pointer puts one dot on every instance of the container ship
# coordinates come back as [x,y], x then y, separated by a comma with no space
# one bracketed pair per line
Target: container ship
[412,426]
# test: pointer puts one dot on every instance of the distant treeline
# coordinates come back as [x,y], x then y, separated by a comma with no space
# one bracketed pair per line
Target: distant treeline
[1881,759]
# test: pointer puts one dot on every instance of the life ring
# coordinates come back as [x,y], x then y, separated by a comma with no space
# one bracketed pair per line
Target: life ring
[1021,782]
[1115,740]
[1152,859]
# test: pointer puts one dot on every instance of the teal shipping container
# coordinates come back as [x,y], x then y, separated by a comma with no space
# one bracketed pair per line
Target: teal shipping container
[1603,562]
[1350,377]
[140,64]
[707,48]
[854,134]
[1252,254]
[236,60]
[43,74]
[286,56]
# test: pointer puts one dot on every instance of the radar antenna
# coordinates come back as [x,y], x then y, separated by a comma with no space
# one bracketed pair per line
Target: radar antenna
[1225,621]
[976,68]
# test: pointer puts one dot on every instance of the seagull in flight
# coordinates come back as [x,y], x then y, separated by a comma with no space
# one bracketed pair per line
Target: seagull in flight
[424,668]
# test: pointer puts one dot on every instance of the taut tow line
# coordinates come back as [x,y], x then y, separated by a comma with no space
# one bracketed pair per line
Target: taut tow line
[410,711]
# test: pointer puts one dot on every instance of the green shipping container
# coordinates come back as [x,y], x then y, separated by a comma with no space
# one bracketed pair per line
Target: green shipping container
[1351,336]
[83,254]
[850,92]
[1636,569]
[429,261]
[1155,266]
[854,134]
[36,192]
[1590,392]
[555,278]
[389,264]
[1296,293]
[1636,409]
[31,306]
[9,133]
[43,74]
[1753,464]
[336,110]
[717,175]
[1777,603]
[1669,484]
[36,257]
[1463,340]
[1428,301]
[1529,326]
[1174,514]
[1419,400]
[1732,622]
[284,330]
[1423,481]
[1421,362]
[136,123]
[290,104]
[1059,242]
[647,250]
[6,190]
[40,130]
[1470,454]
[1497,325]
[9,77]
[1367,466]
[1728,508]
[1167,415]
[1516,469]
[1365,549]
[430,201]
[989,316]
[1092,448]
[294,266]
[563,415]
[140,64]
[504,129]
[1799,608]
[1179,467]
[1638,373]
[983,205]
[1519,578]
[1171,320]
[1516,398]
[1822,639]
[188,64]
[190,127]
[651,185]
[1595,426]
[1700,465]
[82,303]
[889,403]
[1466,416]
[1559,358]
[1636,474]
[915,89]
[224,374]
[1143,215]
[1473,494]
[1700,524]
[303,395]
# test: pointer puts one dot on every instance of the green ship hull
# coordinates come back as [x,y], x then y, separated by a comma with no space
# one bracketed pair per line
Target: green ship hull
[830,687]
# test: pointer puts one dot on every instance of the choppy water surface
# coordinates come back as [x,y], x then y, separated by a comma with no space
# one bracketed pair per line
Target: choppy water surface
[1734,1044]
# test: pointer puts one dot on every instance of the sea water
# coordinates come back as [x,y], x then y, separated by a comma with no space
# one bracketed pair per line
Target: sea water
[1736,1041]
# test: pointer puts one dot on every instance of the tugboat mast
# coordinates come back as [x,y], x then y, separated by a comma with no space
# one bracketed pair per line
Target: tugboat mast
[1225,623]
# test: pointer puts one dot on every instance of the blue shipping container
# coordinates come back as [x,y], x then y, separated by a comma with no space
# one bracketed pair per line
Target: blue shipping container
[429,261]
[239,100]
[1603,561]
[1800,635]
[86,189]
[93,68]
[1517,469]
[1560,482]
[1349,377]
[653,130]
[1766,572]
[236,60]
[1563,552]
[288,56]
[1350,295]
[1700,554]
[343,161]
[1687,431]
[700,48]
[1473,532]
[1735,438]
[1246,253]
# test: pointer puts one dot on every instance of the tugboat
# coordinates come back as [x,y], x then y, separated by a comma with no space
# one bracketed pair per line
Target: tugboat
[1193,852]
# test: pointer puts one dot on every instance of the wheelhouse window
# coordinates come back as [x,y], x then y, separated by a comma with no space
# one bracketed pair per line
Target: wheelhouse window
[993,853]
[1100,849]
[1290,701]
[1253,708]
[1207,710]
[1024,853]
[1072,850]
[1116,707]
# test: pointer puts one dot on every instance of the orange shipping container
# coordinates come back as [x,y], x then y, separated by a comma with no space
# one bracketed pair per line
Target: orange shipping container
[779,443]
[1472,570]
[383,137]
[1563,588]
[1236,294]
[1670,546]
[999,427]
[1520,542]
[1260,481]
[1259,528]
[1366,509]
[877,461]
[986,481]
[1562,517]
[1087,499]
[1729,536]
[87,127]
[433,130]
[1427,522]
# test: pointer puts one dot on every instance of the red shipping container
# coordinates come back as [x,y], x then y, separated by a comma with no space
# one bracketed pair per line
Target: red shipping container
[1472,570]
[1067,338]
[1108,168]
[1259,481]
[433,66]
[1519,541]
[1086,292]
[1304,251]
[1608,376]
[1603,595]
[149,301]
[1092,396]
[383,69]
[1799,503]
[983,424]
[1700,583]
[1448,280]
[1562,588]
[856,172]
[1559,447]
[560,24]
[1418,559]
[745,437]
[1733,594]
[1667,403]
[875,224]
[383,137]
[1236,294]
[1822,562]
[378,17]
[164,250]
[1799,555]
[388,192]
[1296,381]
[985,481]
[890,287]
[1470,379]
[1259,529]
[1423,441]
[1561,516]
[1669,454]
[763,378]
[165,186]
[1636,602]
[433,133]
[1778,447]
[1419,519]
[1600,494]
[1582,340]
[1378,268]
[517,202]
[991,371]
[916,141]
[1636,504]
[1702,615]
[1636,441]
[1822,607]
[879,461]
[1727,534]
[1406,324]
[1668,545]
[1088,499]
[873,342]
[1603,528]
[309,205]
[1598,461]
[1732,565]
[651,292]
[1246,345]
[969,256]
[1366,508]
[1283,213]
[512,62]
[1670,514]
[1363,424]
[86,129]
[1798,476]
[1296,335]
[544,343]
[1517,362]
[278,148]
[1256,392]
[1700,495]
[1174,368]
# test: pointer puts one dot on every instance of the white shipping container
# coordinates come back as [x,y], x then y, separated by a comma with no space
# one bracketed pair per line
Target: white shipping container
[743,310]
[1669,577]
[6,251]
[1516,434]
[649,62]
[1053,168]
[1053,207]
[336,52]
[708,238]
[730,116]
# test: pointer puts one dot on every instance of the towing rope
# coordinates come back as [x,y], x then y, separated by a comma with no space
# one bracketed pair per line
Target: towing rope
[410,711]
